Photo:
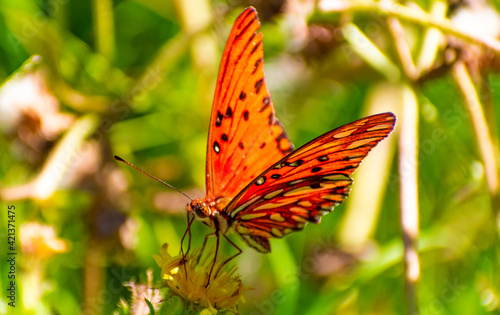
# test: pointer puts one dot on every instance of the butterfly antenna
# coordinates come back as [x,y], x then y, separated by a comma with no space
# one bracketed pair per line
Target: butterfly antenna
[153,177]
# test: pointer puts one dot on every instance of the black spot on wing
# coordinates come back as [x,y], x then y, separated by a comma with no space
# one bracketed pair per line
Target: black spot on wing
[258,85]
[271,119]
[296,163]
[218,120]
[323,158]
[316,185]
[352,157]
[257,63]
[316,169]
[350,167]
[265,103]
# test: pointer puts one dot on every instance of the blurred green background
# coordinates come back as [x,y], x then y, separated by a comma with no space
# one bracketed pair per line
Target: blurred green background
[85,80]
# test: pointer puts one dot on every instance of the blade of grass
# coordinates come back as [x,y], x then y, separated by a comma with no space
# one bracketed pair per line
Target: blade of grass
[285,270]
[104,30]
[370,53]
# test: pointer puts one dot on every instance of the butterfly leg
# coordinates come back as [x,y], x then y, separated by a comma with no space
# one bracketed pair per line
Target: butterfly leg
[205,243]
[230,258]
[188,232]
[216,252]
[215,255]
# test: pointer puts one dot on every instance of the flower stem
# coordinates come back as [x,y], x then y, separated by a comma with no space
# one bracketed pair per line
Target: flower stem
[408,172]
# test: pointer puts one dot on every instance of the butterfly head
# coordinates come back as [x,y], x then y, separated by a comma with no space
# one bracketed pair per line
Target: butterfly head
[200,210]
[210,213]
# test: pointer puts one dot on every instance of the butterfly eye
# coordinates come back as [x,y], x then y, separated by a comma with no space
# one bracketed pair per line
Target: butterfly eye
[200,213]
[199,209]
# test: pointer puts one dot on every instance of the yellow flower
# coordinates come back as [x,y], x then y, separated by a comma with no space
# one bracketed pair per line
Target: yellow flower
[188,278]
[40,240]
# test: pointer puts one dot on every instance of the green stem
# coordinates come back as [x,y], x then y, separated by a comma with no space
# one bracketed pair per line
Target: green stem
[104,28]
[408,174]
[432,40]
[370,53]
[483,134]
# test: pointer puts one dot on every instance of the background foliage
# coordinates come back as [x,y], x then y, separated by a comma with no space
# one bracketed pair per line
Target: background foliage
[84,80]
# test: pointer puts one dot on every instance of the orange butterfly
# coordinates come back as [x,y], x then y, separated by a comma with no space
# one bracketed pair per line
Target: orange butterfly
[257,186]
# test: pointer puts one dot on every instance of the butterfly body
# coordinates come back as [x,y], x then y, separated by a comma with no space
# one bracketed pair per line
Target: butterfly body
[257,185]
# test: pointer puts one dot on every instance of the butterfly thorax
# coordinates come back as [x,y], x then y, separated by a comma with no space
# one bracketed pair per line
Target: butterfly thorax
[210,212]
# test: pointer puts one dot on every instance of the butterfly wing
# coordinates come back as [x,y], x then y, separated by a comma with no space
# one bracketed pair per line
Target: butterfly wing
[245,137]
[306,184]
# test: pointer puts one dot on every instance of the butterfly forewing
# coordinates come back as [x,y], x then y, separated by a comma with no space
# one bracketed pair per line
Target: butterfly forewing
[245,137]
[305,184]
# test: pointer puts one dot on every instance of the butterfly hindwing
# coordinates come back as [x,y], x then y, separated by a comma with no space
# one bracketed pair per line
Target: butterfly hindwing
[288,207]
[260,243]
[307,183]
[245,137]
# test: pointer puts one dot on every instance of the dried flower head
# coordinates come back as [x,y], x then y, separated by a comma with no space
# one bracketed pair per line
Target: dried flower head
[29,108]
[141,292]
[188,278]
